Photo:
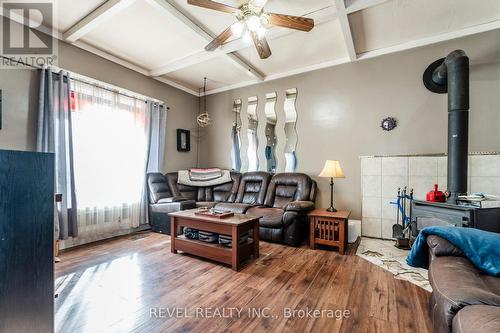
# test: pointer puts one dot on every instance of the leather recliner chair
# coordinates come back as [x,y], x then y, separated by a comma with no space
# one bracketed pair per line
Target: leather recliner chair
[284,213]
[162,202]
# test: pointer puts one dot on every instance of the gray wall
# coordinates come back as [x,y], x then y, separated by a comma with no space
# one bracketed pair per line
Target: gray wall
[20,95]
[340,110]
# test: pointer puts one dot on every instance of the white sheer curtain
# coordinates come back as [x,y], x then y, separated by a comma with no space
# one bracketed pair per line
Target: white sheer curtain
[110,149]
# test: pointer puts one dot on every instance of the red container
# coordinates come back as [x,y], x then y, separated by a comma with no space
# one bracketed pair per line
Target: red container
[436,195]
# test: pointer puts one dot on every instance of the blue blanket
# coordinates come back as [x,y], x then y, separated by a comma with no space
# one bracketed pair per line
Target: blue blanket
[482,248]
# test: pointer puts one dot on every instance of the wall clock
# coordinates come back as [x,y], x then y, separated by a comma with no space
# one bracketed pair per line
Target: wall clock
[388,124]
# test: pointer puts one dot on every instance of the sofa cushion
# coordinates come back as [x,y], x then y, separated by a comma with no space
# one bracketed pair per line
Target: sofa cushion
[271,217]
[171,199]
[158,187]
[287,187]
[456,283]
[253,187]
[477,319]
[172,206]
[237,208]
[188,192]
[225,192]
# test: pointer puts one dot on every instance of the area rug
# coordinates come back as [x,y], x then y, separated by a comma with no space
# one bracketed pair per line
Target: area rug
[384,254]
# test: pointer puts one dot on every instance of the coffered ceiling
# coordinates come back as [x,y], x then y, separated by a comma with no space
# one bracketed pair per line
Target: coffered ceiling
[165,39]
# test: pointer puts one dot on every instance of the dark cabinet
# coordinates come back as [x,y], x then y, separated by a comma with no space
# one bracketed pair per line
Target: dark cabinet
[26,242]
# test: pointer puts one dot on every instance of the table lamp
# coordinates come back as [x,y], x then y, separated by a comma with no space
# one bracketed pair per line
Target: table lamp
[331,170]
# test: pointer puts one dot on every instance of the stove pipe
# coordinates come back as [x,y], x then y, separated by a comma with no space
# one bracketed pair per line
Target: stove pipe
[451,75]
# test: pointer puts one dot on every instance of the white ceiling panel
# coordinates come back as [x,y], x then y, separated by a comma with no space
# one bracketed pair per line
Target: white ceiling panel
[298,7]
[299,49]
[165,36]
[220,72]
[213,20]
[145,36]
[69,12]
[400,21]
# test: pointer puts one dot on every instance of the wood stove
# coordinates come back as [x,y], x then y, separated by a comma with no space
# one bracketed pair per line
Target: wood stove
[459,215]
[451,75]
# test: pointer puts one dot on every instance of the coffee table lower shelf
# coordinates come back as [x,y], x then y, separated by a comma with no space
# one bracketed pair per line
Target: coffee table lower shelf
[233,227]
[213,251]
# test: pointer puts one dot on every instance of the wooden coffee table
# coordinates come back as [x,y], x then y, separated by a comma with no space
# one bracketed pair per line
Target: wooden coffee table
[233,226]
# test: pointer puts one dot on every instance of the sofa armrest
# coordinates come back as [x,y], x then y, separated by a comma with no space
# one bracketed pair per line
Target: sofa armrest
[440,247]
[171,199]
[237,208]
[299,206]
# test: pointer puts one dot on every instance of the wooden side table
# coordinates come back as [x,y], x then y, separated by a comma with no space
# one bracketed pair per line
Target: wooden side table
[328,228]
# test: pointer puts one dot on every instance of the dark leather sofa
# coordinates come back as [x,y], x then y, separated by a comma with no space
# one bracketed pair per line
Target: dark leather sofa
[282,200]
[464,299]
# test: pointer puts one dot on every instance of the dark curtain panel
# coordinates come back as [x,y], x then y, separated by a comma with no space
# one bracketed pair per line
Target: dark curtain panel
[156,125]
[54,135]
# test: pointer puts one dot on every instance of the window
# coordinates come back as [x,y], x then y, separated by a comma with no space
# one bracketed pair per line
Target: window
[110,150]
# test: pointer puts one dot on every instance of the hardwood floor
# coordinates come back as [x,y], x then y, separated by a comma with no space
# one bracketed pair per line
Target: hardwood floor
[134,283]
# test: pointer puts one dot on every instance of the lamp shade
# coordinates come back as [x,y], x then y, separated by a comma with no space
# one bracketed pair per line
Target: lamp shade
[332,169]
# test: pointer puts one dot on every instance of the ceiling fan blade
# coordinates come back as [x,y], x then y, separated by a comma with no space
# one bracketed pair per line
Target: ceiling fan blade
[219,40]
[292,22]
[214,5]
[262,46]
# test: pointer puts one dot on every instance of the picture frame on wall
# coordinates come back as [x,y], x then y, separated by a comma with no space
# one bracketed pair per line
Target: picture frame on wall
[183,140]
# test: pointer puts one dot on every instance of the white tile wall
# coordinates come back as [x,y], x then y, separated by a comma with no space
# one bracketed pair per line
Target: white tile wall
[442,166]
[423,166]
[490,185]
[484,166]
[422,184]
[389,210]
[387,228]
[371,227]
[372,186]
[372,207]
[390,185]
[443,183]
[395,166]
[371,166]
[381,177]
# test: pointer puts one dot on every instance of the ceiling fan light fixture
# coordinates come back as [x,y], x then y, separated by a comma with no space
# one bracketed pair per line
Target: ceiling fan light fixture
[253,23]
[237,28]
[264,19]
[261,33]
[247,37]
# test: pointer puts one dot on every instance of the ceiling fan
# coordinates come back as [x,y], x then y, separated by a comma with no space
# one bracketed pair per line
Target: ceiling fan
[252,23]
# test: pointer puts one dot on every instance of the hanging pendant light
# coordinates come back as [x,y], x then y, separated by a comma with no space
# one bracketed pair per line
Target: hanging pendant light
[204,119]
